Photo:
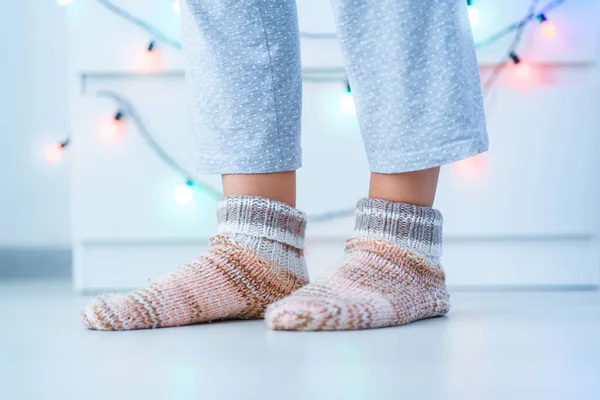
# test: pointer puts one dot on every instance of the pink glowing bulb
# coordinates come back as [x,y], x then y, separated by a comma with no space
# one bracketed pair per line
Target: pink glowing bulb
[112,129]
[523,70]
[54,152]
[472,168]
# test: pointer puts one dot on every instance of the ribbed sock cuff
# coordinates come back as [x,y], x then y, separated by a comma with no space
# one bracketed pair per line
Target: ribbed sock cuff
[261,217]
[413,227]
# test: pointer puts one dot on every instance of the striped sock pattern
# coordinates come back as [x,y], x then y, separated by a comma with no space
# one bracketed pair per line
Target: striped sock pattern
[255,259]
[391,275]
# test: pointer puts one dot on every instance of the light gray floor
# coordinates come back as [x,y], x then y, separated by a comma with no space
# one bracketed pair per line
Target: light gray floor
[543,345]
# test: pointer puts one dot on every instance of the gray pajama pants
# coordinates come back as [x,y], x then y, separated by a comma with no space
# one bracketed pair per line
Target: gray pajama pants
[411,65]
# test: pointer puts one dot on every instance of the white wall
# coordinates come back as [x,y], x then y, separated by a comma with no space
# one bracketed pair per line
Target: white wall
[34,195]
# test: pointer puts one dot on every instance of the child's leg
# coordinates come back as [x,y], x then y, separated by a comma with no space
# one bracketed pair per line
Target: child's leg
[417,187]
[280,186]
[243,72]
[413,71]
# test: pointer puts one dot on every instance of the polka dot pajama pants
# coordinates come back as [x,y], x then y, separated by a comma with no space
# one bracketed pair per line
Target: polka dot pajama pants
[411,65]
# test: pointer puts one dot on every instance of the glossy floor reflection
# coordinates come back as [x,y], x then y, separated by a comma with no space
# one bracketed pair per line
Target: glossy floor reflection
[543,345]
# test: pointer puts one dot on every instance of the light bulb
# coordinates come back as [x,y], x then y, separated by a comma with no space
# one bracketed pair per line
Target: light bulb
[548,29]
[523,70]
[54,152]
[183,194]
[471,168]
[112,129]
[149,60]
[347,104]
[176,7]
[474,16]
[64,2]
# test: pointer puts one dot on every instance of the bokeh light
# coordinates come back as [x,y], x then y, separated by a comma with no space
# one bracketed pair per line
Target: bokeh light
[183,194]
[549,29]
[523,70]
[471,168]
[54,152]
[474,16]
[347,104]
[112,129]
[148,59]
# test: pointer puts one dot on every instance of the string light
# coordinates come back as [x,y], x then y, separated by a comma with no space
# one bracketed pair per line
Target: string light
[548,28]
[514,57]
[347,104]
[112,129]
[132,114]
[347,101]
[171,42]
[155,63]
[145,63]
[518,25]
[184,194]
[149,60]
[474,14]
[519,28]
[54,151]
[522,69]
[472,168]
[474,17]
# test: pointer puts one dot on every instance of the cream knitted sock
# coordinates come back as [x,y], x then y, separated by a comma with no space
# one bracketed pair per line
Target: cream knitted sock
[255,259]
[391,275]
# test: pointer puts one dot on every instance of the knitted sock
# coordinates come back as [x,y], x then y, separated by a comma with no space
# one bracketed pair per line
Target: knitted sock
[391,275]
[255,259]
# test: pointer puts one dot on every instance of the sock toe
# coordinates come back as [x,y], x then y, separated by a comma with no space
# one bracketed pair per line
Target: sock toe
[85,321]
[303,314]
[97,315]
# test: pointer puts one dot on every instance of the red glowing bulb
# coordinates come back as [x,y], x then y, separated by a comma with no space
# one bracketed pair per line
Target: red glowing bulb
[54,152]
